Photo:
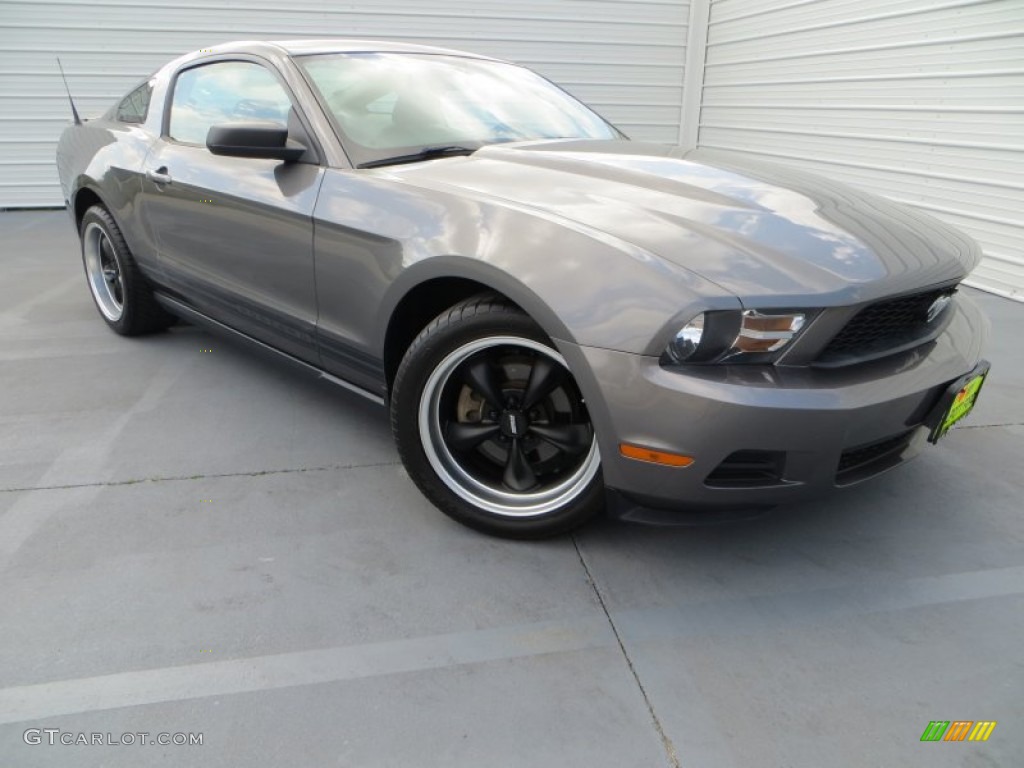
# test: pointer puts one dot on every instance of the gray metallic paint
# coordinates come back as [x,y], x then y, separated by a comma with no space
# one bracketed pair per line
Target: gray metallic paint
[234,237]
[610,246]
[772,236]
[716,410]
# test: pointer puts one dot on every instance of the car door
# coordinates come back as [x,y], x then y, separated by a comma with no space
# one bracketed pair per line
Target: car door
[235,234]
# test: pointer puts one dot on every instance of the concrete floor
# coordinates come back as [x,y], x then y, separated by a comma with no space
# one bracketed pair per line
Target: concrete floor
[205,542]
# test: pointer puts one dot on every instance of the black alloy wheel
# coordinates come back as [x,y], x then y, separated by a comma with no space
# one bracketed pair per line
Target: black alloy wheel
[492,425]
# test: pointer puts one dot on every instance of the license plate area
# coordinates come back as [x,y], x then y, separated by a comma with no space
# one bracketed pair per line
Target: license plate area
[956,402]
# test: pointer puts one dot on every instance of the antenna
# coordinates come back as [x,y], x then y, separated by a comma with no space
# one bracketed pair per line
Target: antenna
[74,112]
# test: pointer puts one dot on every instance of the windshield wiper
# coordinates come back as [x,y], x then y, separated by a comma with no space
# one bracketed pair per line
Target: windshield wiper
[427,153]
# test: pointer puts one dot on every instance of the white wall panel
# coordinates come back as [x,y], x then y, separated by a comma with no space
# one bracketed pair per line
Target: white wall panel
[623,57]
[919,100]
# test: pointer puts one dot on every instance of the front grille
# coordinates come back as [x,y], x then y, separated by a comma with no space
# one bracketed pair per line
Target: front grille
[865,460]
[884,326]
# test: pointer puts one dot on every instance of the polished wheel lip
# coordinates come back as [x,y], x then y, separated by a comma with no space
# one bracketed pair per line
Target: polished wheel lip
[457,479]
[104,277]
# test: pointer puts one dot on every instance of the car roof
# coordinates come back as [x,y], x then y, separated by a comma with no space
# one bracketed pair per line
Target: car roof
[299,47]
[330,45]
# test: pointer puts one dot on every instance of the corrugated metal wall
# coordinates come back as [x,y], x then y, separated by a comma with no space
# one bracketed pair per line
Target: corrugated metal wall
[920,100]
[624,58]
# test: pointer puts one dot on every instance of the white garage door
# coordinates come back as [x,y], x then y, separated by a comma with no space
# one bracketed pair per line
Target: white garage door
[623,58]
[920,100]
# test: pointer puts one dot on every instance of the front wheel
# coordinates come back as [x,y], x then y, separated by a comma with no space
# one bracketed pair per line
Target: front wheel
[492,426]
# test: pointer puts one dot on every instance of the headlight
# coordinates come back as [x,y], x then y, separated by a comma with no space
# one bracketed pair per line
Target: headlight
[734,336]
[687,341]
[767,333]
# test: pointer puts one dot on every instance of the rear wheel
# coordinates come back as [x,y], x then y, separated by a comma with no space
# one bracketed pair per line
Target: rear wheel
[492,426]
[121,293]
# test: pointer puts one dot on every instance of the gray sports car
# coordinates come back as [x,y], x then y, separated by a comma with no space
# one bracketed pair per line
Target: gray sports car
[561,320]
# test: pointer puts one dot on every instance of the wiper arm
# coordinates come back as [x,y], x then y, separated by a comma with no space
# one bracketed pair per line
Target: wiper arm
[427,153]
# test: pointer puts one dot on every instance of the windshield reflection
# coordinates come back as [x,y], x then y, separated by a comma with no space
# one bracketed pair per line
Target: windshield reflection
[390,104]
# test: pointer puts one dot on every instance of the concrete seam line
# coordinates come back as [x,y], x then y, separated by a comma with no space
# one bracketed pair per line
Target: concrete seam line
[212,476]
[24,519]
[666,742]
[989,426]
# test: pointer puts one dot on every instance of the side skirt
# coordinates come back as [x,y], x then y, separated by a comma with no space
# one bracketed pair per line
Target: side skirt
[185,312]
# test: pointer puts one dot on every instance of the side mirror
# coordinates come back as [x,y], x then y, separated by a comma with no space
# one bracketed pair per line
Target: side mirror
[253,139]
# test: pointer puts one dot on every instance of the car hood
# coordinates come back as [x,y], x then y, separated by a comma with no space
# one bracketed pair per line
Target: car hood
[769,234]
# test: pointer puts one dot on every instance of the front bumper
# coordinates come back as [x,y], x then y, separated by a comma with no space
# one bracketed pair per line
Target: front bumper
[763,435]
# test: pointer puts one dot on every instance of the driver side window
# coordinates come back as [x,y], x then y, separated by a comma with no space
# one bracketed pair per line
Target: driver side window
[224,92]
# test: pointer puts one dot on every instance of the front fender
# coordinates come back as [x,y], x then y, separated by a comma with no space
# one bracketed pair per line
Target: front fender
[478,271]
[377,238]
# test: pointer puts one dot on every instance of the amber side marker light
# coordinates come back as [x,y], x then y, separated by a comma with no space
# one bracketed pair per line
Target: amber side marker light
[640,453]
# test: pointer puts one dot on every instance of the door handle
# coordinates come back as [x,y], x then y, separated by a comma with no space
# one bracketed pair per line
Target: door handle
[160,175]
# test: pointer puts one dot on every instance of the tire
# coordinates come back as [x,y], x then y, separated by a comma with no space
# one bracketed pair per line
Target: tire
[122,295]
[492,427]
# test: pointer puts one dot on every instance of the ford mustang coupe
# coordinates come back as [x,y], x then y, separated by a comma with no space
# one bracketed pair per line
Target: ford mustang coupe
[560,320]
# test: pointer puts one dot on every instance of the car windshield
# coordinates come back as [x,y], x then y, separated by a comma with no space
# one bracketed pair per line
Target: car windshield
[393,105]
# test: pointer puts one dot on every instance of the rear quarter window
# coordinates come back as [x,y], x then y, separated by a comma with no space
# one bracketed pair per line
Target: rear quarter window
[135,106]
